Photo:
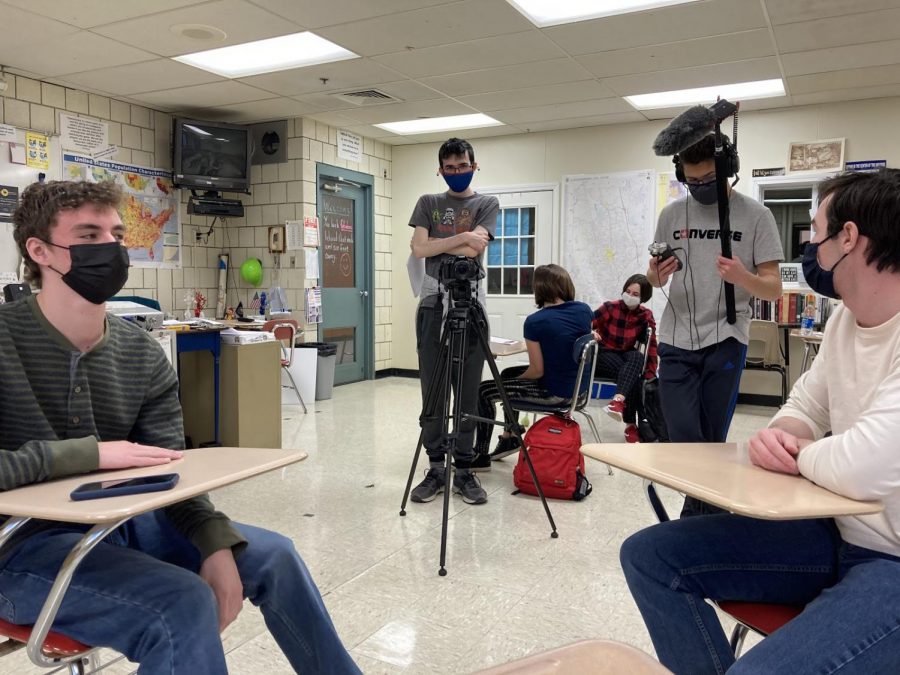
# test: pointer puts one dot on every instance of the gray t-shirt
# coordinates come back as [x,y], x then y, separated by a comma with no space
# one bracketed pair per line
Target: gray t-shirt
[445,216]
[695,314]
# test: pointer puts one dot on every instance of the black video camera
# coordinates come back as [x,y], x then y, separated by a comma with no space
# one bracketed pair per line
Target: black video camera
[459,268]
[662,251]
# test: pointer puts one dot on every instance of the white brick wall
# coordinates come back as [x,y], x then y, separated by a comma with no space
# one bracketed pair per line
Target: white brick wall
[280,192]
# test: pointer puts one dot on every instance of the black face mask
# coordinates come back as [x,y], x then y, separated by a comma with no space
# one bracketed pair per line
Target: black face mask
[705,193]
[98,271]
[817,277]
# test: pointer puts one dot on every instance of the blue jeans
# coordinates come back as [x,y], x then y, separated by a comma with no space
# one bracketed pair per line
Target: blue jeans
[139,593]
[698,391]
[851,623]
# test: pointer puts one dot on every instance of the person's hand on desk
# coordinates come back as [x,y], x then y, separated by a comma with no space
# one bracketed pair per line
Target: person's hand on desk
[126,455]
[220,572]
[776,450]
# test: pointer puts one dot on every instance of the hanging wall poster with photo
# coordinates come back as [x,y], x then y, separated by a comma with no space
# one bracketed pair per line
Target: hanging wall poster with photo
[150,209]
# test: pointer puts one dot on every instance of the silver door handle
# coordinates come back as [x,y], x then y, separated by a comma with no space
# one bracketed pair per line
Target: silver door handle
[364,294]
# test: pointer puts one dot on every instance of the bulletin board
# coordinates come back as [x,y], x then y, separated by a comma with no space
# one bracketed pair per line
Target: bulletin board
[21,176]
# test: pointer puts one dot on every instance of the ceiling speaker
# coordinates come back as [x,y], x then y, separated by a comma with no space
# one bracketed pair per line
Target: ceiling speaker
[270,140]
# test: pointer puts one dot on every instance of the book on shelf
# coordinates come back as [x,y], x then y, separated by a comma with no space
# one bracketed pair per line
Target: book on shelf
[790,308]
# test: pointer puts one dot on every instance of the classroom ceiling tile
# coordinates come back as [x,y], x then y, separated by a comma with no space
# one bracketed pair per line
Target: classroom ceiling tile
[503,50]
[399,112]
[702,76]
[842,58]
[698,52]
[658,26]
[267,109]
[139,77]
[25,34]
[440,57]
[538,95]
[338,76]
[83,51]
[90,13]
[490,80]
[792,11]
[838,31]
[315,13]
[334,119]
[203,95]
[580,122]
[404,90]
[239,20]
[850,94]
[558,111]
[844,79]
[428,27]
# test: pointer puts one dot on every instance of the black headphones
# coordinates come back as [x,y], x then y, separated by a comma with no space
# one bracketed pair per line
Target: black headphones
[732,162]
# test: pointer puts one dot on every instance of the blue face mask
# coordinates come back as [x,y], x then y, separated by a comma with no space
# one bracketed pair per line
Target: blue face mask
[459,182]
[818,278]
[705,193]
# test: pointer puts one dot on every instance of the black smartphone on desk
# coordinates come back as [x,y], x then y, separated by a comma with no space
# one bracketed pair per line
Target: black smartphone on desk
[124,486]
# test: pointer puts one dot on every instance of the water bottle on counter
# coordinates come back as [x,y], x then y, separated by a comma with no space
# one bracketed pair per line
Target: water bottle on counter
[809,315]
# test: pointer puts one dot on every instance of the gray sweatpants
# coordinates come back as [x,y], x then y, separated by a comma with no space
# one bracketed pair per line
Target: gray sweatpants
[429,322]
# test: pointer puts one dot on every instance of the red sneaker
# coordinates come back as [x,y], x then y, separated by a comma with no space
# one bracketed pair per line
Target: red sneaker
[631,434]
[616,409]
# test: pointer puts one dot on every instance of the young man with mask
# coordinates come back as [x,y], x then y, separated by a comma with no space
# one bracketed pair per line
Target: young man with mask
[84,391]
[458,222]
[701,355]
[845,570]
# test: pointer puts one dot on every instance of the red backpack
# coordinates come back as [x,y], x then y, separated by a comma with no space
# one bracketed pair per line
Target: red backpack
[554,444]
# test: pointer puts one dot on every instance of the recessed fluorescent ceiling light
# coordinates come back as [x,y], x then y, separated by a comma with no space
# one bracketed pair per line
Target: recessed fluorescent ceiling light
[553,12]
[440,124]
[737,92]
[267,56]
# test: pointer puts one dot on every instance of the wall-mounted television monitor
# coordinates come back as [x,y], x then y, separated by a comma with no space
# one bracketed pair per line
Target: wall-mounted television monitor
[212,156]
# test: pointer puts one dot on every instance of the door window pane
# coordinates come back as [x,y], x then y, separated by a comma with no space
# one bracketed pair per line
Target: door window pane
[510,257]
[345,340]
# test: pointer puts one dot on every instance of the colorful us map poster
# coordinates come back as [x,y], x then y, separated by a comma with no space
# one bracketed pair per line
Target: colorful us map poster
[150,209]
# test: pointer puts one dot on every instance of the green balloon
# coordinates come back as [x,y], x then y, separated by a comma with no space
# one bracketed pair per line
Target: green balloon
[251,271]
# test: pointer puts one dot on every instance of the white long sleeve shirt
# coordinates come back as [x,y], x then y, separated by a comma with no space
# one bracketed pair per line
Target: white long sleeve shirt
[853,390]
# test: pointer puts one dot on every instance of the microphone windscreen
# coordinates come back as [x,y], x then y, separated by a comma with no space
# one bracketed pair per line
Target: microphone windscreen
[684,131]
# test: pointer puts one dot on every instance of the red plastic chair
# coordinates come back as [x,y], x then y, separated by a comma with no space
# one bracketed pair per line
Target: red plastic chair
[56,645]
[286,330]
[763,618]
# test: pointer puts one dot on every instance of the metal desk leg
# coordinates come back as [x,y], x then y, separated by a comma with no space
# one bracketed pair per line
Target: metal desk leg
[216,396]
[51,605]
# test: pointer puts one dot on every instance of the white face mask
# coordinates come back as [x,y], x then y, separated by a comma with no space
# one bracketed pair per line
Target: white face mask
[630,300]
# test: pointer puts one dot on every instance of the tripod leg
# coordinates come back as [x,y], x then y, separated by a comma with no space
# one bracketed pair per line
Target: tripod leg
[481,331]
[412,473]
[455,361]
[438,375]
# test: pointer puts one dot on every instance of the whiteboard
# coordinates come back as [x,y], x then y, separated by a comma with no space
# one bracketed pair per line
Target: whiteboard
[21,176]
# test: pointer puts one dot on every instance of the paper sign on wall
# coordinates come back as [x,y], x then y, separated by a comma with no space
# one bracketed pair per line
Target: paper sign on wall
[312,263]
[37,150]
[314,305]
[310,231]
[7,132]
[88,136]
[293,235]
[349,146]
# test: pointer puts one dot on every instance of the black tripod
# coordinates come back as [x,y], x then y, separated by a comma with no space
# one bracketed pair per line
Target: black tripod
[464,310]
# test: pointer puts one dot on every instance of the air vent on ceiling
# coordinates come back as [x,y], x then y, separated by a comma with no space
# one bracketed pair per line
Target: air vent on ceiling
[366,97]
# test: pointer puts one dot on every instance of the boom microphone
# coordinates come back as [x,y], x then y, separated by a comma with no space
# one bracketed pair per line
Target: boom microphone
[688,128]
